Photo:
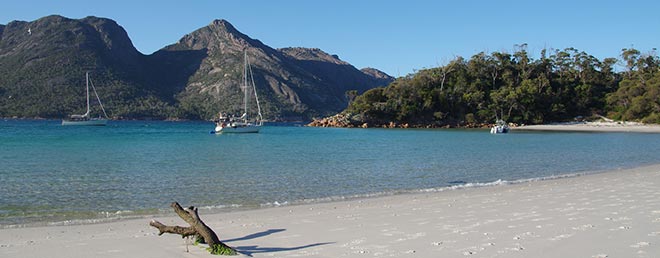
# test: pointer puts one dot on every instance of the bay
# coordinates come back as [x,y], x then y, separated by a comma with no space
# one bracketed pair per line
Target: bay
[52,175]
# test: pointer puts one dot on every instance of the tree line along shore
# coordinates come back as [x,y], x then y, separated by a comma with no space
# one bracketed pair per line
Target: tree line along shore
[561,85]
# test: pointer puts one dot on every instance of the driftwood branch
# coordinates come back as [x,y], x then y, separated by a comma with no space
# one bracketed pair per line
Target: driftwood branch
[184,232]
[197,228]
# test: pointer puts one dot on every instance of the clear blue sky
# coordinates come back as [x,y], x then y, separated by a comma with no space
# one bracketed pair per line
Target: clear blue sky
[394,36]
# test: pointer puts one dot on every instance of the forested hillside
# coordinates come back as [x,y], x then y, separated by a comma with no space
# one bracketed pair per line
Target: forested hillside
[558,86]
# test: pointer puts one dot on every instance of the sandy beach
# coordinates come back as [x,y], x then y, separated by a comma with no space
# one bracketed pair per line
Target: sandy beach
[610,214]
[594,127]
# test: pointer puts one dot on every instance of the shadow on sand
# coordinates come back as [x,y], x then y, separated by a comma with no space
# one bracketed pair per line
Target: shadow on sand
[249,250]
[256,235]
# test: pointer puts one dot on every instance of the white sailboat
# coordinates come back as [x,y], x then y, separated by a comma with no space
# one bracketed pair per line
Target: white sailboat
[242,124]
[85,119]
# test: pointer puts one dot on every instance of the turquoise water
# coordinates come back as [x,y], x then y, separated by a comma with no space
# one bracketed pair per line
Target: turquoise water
[50,174]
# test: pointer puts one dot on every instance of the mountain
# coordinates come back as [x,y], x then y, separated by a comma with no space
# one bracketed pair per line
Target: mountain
[380,77]
[292,82]
[42,64]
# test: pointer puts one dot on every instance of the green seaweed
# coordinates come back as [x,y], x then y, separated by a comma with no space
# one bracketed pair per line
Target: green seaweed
[220,249]
[199,240]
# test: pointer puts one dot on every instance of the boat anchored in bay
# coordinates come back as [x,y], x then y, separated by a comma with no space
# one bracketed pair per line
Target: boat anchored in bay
[243,124]
[499,127]
[86,119]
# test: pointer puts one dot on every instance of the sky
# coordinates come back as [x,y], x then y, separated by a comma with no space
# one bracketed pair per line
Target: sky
[397,37]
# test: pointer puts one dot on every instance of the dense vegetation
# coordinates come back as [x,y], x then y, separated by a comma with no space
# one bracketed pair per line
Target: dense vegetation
[559,86]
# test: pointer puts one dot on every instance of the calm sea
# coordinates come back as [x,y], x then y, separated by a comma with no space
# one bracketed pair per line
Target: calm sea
[51,174]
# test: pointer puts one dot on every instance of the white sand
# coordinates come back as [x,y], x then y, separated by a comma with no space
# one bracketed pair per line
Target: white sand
[613,214]
[594,127]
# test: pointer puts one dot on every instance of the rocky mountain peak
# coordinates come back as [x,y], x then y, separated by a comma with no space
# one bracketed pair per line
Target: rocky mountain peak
[312,54]
[218,35]
[223,24]
[51,34]
[113,35]
[379,76]
[373,72]
[52,19]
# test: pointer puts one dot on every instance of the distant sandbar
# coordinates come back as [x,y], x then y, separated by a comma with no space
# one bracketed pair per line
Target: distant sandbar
[594,127]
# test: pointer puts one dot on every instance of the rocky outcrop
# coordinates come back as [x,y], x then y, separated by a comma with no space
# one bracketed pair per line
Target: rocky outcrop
[347,120]
[338,120]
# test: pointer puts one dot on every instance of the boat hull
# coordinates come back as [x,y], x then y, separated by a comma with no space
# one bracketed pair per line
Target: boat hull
[499,129]
[239,129]
[91,122]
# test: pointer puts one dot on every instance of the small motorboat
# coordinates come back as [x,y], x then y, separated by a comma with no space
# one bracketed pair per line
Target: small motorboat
[499,127]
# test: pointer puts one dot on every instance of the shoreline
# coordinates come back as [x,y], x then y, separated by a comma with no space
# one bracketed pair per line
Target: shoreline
[214,210]
[605,214]
[624,127]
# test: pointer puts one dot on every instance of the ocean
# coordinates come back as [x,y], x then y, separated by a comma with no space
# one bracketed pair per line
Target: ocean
[57,175]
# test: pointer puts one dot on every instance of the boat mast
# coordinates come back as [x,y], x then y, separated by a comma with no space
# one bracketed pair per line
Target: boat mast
[98,99]
[87,91]
[254,87]
[245,86]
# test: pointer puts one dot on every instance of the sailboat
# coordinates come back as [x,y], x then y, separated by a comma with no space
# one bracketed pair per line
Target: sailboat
[85,119]
[243,124]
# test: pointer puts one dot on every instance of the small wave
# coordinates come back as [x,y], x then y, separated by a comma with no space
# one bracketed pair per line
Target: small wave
[78,218]
[220,207]
[88,221]
[109,214]
[274,204]
[464,185]
[497,183]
